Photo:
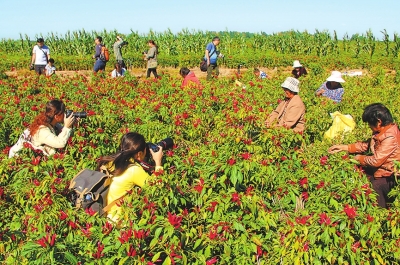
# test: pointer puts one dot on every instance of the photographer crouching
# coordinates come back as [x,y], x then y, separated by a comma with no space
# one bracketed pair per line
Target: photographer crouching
[129,167]
[46,133]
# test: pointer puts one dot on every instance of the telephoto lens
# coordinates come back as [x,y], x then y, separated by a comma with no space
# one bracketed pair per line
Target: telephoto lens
[81,114]
[166,144]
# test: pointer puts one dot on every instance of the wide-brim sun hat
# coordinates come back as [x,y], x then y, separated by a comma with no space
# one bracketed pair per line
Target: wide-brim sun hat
[336,76]
[296,64]
[292,84]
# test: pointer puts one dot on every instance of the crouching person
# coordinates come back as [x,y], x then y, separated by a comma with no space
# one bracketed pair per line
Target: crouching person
[46,133]
[290,111]
[126,168]
[384,146]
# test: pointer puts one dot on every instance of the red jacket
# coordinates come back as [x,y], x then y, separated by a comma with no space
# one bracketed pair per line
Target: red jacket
[385,148]
[191,77]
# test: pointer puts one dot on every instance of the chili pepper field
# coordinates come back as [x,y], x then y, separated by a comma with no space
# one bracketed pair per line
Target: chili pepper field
[232,190]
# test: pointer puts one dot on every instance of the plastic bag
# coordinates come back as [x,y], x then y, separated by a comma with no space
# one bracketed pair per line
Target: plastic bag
[341,124]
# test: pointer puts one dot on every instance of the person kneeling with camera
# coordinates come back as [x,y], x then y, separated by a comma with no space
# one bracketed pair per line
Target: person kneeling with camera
[128,167]
[46,133]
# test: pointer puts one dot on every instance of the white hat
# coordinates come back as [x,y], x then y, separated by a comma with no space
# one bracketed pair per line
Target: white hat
[336,76]
[292,84]
[296,64]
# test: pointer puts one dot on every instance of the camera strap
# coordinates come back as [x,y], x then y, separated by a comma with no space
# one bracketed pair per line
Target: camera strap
[45,54]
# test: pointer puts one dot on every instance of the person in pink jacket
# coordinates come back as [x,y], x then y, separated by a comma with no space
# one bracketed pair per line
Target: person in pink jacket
[290,111]
[189,78]
[384,148]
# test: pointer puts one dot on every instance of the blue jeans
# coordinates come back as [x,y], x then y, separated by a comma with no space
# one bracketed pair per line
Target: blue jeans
[99,65]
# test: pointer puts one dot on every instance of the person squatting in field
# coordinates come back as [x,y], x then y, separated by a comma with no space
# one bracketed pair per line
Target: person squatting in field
[118,70]
[40,56]
[332,88]
[189,78]
[99,64]
[50,68]
[126,168]
[290,111]
[151,58]
[211,56]
[384,146]
[298,69]
[260,74]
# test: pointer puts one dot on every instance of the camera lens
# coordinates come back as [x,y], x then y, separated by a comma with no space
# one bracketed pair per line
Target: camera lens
[80,114]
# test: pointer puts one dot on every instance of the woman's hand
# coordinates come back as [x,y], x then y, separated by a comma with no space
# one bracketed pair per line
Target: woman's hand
[337,148]
[69,121]
[319,93]
[157,156]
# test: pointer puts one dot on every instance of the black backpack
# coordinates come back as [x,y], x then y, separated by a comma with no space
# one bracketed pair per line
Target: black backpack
[89,189]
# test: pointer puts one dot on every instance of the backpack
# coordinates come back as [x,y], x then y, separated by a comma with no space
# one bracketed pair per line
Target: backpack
[89,189]
[105,54]
[25,137]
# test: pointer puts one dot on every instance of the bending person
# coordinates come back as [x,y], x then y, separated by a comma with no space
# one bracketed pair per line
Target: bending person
[125,166]
[290,112]
[332,88]
[189,78]
[46,131]
[384,146]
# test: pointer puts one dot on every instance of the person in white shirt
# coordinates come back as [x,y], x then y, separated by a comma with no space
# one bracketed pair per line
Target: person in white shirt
[118,70]
[40,56]
[46,131]
[50,68]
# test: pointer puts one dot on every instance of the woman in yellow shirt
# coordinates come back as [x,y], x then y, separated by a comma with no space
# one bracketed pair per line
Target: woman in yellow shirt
[126,168]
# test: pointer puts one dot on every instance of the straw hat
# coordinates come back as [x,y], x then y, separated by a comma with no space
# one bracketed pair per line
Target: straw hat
[296,64]
[292,84]
[336,76]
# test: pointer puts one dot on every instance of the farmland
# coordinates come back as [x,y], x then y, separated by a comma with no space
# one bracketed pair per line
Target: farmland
[232,191]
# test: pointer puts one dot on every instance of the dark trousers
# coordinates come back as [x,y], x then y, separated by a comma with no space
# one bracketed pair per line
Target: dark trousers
[210,69]
[40,69]
[152,70]
[382,186]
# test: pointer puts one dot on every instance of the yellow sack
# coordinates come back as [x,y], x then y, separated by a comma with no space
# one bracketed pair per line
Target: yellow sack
[341,124]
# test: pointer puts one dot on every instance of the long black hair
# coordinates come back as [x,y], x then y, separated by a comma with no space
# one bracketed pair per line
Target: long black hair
[131,144]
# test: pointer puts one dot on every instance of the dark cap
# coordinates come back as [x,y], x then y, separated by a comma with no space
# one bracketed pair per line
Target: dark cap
[40,40]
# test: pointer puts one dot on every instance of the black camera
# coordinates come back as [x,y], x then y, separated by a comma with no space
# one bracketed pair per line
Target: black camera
[124,43]
[76,114]
[144,52]
[166,144]
[32,67]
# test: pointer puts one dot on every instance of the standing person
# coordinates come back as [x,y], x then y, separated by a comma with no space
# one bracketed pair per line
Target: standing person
[383,148]
[189,78]
[211,56]
[298,70]
[290,112]
[118,71]
[126,168]
[40,56]
[99,65]
[332,88]
[50,68]
[151,58]
[117,51]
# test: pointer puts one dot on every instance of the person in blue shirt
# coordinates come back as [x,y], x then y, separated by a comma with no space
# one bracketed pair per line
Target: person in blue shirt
[211,56]
[332,88]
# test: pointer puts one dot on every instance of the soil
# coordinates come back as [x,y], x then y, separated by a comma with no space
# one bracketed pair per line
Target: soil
[141,73]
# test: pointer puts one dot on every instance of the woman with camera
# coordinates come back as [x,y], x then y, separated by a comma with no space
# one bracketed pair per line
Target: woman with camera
[127,170]
[46,132]
[151,58]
